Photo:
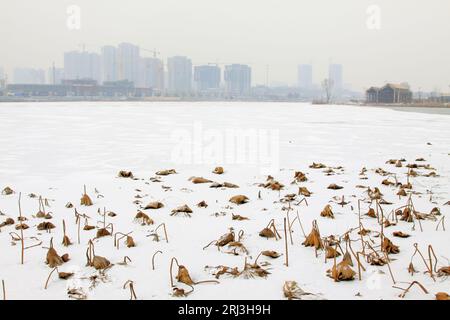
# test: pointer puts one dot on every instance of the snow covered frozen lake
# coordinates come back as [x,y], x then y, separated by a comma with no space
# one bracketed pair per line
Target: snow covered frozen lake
[53,149]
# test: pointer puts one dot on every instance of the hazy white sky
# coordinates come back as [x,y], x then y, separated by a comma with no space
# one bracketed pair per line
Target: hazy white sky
[412,44]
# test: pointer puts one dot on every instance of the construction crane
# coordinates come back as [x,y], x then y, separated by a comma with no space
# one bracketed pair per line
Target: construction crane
[155,53]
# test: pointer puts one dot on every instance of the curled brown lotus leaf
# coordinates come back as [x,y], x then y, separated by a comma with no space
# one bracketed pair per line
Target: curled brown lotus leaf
[375,260]
[154,205]
[407,215]
[304,191]
[327,212]
[199,180]
[40,214]
[7,222]
[387,182]
[317,166]
[88,227]
[314,239]
[444,271]
[342,272]
[271,254]
[230,185]
[22,226]
[400,234]
[375,194]
[348,258]
[389,247]
[300,176]
[371,213]
[273,185]
[166,172]
[86,200]
[65,257]
[225,239]
[103,232]
[398,164]
[238,217]
[411,269]
[125,174]
[252,270]
[331,252]
[65,275]
[143,218]
[45,226]
[442,296]
[267,233]
[183,275]
[182,209]
[334,186]
[7,191]
[364,232]
[218,170]
[292,291]
[435,211]
[180,292]
[239,199]
[129,242]
[66,241]
[100,263]
[53,259]
[202,204]
[388,224]
[402,192]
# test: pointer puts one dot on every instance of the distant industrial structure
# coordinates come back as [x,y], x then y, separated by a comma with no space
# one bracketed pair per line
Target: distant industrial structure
[390,93]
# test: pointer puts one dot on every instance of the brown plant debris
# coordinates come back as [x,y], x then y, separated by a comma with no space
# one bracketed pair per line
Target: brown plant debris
[238,217]
[327,212]
[314,239]
[317,166]
[271,254]
[334,186]
[331,252]
[166,172]
[7,191]
[371,213]
[300,176]
[341,272]
[154,205]
[85,199]
[444,271]
[304,192]
[45,226]
[125,174]
[292,291]
[442,296]
[389,247]
[103,232]
[402,192]
[239,199]
[218,170]
[202,204]
[182,209]
[53,259]
[199,180]
[143,218]
[272,184]
[400,234]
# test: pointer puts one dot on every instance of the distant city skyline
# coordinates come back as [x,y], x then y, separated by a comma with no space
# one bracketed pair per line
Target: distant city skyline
[404,43]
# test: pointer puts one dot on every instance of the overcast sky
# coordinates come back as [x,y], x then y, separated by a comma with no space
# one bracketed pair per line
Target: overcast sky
[412,44]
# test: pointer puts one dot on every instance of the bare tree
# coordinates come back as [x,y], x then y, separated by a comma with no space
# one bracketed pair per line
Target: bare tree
[327,85]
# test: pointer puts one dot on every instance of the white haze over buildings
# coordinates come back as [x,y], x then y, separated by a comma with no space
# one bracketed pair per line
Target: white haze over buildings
[411,45]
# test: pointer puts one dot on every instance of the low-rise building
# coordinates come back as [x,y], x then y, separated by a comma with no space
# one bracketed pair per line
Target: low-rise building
[390,93]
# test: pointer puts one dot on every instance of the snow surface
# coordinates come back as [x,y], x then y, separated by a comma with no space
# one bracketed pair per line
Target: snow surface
[53,149]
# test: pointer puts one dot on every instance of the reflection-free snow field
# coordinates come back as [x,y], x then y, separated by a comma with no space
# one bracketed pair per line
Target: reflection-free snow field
[53,149]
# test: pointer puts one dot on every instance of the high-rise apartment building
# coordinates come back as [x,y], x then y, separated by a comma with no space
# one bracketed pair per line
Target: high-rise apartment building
[179,75]
[109,63]
[305,77]
[335,75]
[207,77]
[238,79]
[128,62]
[151,73]
[28,76]
[82,65]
